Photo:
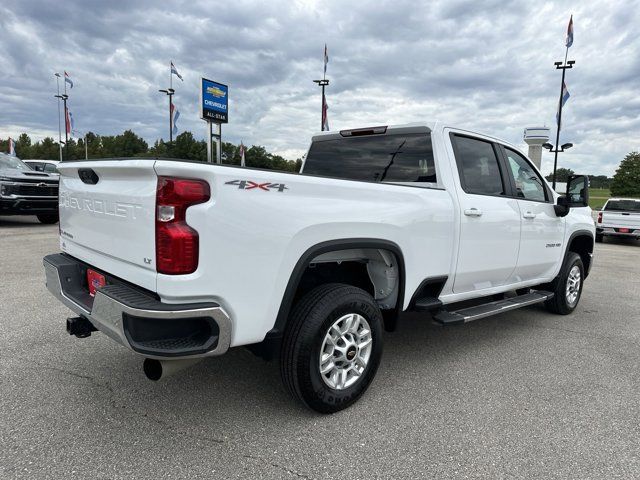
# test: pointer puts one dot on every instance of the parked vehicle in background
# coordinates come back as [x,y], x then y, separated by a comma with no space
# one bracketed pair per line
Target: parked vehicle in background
[620,217]
[46,166]
[180,260]
[26,192]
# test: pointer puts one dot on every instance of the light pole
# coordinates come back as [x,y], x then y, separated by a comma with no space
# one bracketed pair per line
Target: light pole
[556,150]
[169,92]
[564,66]
[322,83]
[64,98]
[59,122]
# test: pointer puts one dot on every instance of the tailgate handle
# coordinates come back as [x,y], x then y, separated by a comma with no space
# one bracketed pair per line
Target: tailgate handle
[88,176]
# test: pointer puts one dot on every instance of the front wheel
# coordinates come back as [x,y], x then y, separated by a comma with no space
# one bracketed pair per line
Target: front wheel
[567,286]
[332,347]
[48,219]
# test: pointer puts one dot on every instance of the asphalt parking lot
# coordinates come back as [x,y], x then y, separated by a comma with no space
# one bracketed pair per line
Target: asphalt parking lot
[524,395]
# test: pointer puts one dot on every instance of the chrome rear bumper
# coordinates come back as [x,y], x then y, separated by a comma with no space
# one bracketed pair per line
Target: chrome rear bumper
[137,320]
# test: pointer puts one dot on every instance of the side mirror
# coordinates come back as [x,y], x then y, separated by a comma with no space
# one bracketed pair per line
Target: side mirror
[578,191]
[562,208]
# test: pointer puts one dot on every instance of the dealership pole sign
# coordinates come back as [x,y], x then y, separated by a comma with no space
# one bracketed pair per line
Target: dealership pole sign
[214,103]
[214,109]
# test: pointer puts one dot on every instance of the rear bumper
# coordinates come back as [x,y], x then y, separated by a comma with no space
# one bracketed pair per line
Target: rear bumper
[28,206]
[614,232]
[136,319]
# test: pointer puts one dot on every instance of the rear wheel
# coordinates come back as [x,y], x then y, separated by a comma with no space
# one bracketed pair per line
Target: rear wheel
[332,347]
[48,218]
[567,286]
[599,237]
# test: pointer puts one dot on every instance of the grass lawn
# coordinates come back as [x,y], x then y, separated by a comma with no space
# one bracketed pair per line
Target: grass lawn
[598,197]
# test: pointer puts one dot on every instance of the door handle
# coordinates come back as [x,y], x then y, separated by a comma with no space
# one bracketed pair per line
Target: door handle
[473,212]
[529,215]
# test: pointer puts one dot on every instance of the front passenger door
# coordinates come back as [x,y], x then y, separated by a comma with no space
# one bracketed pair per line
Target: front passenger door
[542,235]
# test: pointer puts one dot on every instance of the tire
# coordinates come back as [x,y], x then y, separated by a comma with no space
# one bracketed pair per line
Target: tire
[306,334]
[48,218]
[566,298]
[599,237]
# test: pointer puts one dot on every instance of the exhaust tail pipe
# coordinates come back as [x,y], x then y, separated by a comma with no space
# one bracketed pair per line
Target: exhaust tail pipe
[157,369]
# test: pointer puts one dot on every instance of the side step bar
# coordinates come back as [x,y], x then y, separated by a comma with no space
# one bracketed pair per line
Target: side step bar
[470,314]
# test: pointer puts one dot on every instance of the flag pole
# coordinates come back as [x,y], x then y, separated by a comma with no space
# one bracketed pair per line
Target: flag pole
[323,83]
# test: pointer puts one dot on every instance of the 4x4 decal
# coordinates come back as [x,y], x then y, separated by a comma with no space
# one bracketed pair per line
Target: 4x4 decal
[266,186]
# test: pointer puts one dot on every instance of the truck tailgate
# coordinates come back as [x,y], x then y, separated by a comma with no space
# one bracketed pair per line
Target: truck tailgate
[621,219]
[107,216]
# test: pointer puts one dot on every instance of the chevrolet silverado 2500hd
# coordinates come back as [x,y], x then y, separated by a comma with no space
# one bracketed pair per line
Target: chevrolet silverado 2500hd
[619,217]
[25,192]
[182,260]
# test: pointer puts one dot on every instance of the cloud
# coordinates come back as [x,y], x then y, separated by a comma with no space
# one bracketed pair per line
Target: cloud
[485,65]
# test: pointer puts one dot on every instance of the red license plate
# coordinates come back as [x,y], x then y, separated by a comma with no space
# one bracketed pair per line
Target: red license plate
[95,280]
[623,230]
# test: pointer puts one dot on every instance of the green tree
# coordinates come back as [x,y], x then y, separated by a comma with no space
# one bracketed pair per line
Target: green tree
[187,147]
[599,181]
[23,146]
[128,144]
[562,175]
[626,181]
[46,149]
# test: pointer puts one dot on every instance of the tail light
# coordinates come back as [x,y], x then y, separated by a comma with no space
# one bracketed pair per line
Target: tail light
[599,217]
[176,242]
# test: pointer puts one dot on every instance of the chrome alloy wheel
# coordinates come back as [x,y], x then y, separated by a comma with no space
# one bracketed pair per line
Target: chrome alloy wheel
[345,351]
[573,285]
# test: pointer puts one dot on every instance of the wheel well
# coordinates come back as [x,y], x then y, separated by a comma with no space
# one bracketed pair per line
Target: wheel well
[376,266]
[583,246]
[373,270]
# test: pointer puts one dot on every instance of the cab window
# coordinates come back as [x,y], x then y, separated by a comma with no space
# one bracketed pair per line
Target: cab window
[478,166]
[528,183]
[37,166]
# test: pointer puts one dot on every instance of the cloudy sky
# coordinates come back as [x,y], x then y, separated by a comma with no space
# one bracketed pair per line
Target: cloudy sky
[485,65]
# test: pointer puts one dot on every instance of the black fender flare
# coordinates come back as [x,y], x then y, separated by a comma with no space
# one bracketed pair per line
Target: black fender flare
[572,237]
[330,246]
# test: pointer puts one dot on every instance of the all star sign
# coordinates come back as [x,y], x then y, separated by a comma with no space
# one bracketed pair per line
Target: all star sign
[214,101]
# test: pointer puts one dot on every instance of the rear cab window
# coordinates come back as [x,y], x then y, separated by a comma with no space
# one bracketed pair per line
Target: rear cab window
[389,158]
[632,206]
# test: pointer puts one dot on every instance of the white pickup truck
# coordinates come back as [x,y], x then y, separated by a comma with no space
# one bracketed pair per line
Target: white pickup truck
[619,217]
[181,260]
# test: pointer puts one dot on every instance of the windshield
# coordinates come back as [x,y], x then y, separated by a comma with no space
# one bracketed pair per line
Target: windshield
[12,163]
[381,158]
[623,206]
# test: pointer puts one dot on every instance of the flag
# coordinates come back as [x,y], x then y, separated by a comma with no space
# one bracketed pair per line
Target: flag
[242,159]
[325,118]
[175,114]
[175,72]
[326,58]
[68,121]
[569,40]
[12,147]
[67,79]
[563,100]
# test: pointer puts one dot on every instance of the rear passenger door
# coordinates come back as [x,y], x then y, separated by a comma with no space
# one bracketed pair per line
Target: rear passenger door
[542,235]
[489,220]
